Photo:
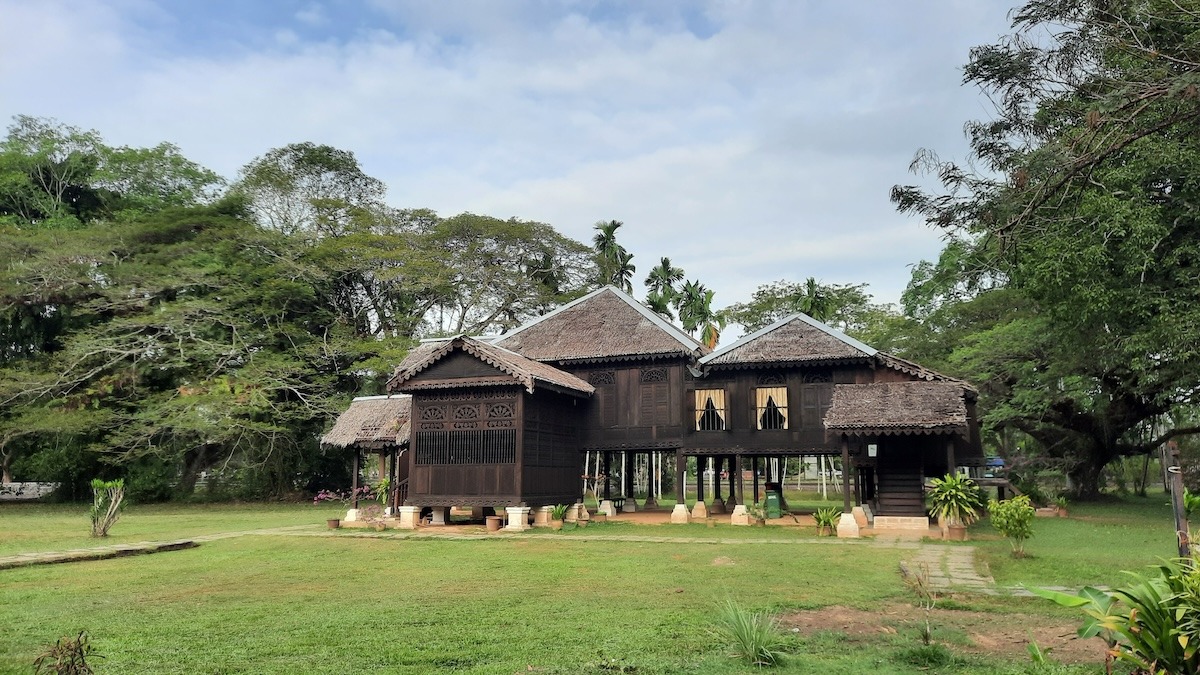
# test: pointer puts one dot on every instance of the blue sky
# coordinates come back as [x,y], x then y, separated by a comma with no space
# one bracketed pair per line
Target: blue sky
[748,141]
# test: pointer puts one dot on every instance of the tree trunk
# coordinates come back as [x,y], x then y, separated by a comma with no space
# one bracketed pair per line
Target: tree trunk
[1086,478]
[194,461]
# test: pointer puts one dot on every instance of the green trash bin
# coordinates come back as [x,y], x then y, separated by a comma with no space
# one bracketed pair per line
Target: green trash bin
[773,510]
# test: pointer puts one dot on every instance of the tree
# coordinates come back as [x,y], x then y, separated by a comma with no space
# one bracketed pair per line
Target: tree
[696,313]
[614,264]
[1081,204]
[845,306]
[661,285]
[52,174]
[308,188]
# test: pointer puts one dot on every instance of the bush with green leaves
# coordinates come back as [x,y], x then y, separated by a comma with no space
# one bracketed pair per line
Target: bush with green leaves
[754,636]
[1013,518]
[1152,624]
[107,498]
[827,519]
[954,500]
[558,511]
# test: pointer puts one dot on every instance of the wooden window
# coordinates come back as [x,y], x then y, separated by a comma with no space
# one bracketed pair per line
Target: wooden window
[710,410]
[485,446]
[771,407]
[815,400]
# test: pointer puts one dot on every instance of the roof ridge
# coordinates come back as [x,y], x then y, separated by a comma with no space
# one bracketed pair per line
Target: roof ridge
[692,344]
[821,326]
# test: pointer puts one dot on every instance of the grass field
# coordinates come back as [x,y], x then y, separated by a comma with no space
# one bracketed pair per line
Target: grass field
[345,604]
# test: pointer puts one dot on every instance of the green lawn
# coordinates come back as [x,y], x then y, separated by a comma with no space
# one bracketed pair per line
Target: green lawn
[346,604]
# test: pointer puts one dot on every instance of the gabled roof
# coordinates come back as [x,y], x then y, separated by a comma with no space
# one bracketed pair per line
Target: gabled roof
[798,338]
[602,325]
[916,370]
[522,370]
[898,408]
[372,422]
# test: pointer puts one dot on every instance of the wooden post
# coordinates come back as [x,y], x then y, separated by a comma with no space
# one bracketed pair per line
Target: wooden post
[1181,523]
[701,461]
[354,480]
[754,470]
[845,473]
[735,479]
[680,475]
[717,461]
[950,456]
[628,468]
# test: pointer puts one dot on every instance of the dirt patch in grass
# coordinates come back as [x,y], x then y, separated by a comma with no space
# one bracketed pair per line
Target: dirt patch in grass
[987,633]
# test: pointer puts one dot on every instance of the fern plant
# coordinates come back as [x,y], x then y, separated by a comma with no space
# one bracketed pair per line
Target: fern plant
[826,519]
[754,636]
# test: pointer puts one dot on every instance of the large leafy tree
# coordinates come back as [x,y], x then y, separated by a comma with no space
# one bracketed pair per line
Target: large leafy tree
[57,175]
[1080,207]
[847,307]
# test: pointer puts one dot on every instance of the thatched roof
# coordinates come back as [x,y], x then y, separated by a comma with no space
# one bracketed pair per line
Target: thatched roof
[916,370]
[603,325]
[798,338]
[521,370]
[898,408]
[372,422]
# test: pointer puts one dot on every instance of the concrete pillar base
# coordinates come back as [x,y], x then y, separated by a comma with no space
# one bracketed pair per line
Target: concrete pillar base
[680,515]
[518,518]
[860,517]
[718,507]
[630,505]
[700,511]
[541,516]
[847,528]
[867,512]
[408,517]
[650,503]
[351,516]
[740,515]
[572,514]
[441,515]
[607,508]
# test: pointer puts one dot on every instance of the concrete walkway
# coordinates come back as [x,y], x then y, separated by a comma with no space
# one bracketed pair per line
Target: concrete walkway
[951,568]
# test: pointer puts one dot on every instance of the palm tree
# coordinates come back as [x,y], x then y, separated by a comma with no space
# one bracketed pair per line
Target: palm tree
[694,303]
[663,277]
[659,304]
[816,300]
[612,259]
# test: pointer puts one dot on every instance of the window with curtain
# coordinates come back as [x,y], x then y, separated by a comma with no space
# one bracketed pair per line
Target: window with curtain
[771,407]
[710,410]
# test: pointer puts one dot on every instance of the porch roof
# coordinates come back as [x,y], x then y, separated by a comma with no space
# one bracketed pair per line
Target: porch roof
[372,422]
[525,371]
[891,408]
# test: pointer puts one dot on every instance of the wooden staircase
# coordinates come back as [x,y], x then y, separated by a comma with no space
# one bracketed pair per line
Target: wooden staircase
[900,494]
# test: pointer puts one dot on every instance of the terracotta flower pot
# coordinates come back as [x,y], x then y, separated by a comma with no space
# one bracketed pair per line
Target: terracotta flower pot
[494,523]
[956,533]
[556,524]
[333,523]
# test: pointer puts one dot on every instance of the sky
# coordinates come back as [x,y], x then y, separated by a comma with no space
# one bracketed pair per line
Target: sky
[749,141]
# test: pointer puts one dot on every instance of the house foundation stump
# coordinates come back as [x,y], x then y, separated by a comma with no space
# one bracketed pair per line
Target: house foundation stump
[408,517]
[518,518]
[680,515]
[847,527]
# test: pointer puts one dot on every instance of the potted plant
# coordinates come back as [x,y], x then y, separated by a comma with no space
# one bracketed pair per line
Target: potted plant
[1060,503]
[558,513]
[955,502]
[827,519]
[345,498]
[757,513]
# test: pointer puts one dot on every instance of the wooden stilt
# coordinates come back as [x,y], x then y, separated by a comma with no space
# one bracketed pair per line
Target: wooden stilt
[845,474]
[754,470]
[354,479]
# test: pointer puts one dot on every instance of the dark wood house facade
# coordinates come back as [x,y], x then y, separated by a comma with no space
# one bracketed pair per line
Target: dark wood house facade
[508,420]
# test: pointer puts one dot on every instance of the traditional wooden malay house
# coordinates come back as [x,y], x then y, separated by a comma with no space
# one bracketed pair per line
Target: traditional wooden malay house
[376,425]
[508,420]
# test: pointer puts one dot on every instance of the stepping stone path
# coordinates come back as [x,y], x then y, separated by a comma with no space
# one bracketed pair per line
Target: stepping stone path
[952,568]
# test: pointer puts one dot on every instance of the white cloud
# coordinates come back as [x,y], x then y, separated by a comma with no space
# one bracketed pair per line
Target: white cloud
[761,151]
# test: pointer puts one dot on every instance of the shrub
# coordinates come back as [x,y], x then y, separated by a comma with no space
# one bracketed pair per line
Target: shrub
[827,519]
[1013,518]
[67,656]
[107,496]
[558,511]
[754,636]
[1152,624]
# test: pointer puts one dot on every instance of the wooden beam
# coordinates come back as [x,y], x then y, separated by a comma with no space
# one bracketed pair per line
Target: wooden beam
[754,470]
[845,473]
[680,475]
[736,488]
[354,479]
